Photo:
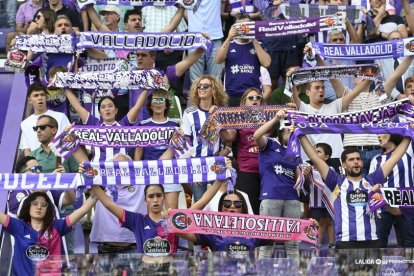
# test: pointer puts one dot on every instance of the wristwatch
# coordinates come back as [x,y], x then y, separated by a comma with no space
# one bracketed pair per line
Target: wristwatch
[229,148]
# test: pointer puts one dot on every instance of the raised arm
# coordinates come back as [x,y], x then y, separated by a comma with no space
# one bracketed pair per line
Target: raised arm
[186,63]
[83,210]
[69,197]
[222,51]
[391,82]
[96,20]
[260,135]
[207,196]
[310,151]
[73,100]
[262,55]
[133,112]
[408,15]
[399,151]
[107,202]
[348,98]
[175,21]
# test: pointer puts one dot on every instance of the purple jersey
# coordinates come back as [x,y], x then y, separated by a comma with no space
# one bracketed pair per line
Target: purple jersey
[34,247]
[232,245]
[277,175]
[149,235]
[103,153]
[242,68]
[352,223]
[153,153]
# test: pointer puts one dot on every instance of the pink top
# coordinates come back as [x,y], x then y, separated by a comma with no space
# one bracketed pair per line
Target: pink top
[247,152]
[26,12]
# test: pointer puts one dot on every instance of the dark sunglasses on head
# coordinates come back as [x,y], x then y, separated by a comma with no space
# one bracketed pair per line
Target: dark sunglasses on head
[237,203]
[254,98]
[38,16]
[158,100]
[204,86]
[42,127]
[34,169]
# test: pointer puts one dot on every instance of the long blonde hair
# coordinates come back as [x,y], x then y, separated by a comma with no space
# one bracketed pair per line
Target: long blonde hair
[220,98]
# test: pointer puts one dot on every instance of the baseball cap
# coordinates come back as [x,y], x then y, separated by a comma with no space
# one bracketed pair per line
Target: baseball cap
[110,8]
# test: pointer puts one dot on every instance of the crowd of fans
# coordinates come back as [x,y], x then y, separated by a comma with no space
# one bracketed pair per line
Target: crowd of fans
[237,72]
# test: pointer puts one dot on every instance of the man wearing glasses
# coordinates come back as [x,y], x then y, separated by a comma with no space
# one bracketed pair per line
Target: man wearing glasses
[37,97]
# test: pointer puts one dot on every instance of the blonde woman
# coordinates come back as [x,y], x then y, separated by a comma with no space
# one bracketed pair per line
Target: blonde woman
[206,94]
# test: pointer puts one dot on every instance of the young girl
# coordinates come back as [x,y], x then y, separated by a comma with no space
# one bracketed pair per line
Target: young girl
[38,235]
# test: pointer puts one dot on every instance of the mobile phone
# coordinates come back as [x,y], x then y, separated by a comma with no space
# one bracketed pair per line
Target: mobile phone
[58,161]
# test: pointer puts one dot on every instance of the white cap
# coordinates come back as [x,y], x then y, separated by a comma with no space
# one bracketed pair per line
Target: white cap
[110,8]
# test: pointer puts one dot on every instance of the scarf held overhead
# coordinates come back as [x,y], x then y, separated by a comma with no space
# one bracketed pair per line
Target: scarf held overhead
[293,149]
[111,137]
[241,225]
[41,181]
[186,4]
[71,43]
[147,172]
[140,79]
[377,114]
[270,29]
[240,117]
[289,10]
[381,50]
[306,75]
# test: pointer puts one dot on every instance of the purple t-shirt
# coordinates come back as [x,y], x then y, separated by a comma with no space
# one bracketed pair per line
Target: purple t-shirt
[148,233]
[242,68]
[232,245]
[153,153]
[134,93]
[277,175]
[34,246]
[103,153]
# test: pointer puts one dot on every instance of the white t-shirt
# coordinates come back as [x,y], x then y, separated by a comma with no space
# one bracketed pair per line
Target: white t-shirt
[214,202]
[334,140]
[29,138]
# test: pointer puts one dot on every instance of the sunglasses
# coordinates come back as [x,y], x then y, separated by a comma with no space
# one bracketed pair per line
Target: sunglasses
[237,203]
[42,127]
[254,98]
[158,100]
[34,169]
[41,204]
[39,16]
[204,86]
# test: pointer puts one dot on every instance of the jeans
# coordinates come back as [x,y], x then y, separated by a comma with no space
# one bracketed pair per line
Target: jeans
[404,225]
[198,190]
[280,208]
[207,63]
[366,157]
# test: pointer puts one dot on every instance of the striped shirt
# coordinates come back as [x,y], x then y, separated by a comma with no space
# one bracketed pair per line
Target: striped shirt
[352,223]
[402,173]
[103,153]
[193,120]
[154,18]
[365,100]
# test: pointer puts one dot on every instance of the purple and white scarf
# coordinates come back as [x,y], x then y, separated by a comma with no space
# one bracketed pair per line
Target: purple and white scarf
[147,172]
[186,4]
[16,61]
[395,197]
[70,43]
[142,79]
[372,51]
[279,28]
[379,114]
[290,11]
[109,65]
[293,149]
[41,181]
[111,136]
[310,74]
